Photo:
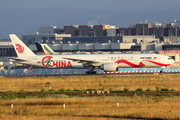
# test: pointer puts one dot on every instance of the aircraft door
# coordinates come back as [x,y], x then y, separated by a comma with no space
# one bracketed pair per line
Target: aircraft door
[135,60]
[98,59]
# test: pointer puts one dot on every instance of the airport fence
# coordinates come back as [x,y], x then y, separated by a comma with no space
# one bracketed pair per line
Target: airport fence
[82,71]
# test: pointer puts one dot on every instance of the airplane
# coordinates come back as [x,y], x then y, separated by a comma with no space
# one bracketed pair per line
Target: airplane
[106,62]
[44,48]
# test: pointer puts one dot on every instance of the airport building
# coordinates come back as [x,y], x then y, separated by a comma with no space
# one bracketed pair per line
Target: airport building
[87,38]
[102,38]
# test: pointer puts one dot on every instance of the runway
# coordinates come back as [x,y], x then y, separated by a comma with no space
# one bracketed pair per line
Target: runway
[155,73]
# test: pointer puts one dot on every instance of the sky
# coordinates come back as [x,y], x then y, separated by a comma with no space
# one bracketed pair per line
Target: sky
[25,17]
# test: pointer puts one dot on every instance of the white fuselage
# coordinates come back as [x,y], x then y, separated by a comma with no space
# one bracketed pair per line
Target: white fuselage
[79,61]
[106,62]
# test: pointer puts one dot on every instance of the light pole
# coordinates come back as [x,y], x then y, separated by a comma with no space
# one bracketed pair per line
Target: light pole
[91,32]
[176,33]
[143,33]
[143,29]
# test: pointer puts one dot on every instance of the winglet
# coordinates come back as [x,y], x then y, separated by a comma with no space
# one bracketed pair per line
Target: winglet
[21,49]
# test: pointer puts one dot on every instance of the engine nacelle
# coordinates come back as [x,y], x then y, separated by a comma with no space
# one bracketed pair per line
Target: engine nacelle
[109,67]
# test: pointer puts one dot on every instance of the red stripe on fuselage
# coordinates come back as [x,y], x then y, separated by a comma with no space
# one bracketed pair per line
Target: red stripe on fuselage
[129,63]
[157,63]
[141,63]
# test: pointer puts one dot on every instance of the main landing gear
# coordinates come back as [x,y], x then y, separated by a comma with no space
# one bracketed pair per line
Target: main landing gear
[90,73]
[91,68]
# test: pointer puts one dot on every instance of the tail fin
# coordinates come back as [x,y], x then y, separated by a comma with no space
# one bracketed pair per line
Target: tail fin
[44,48]
[39,47]
[47,49]
[21,49]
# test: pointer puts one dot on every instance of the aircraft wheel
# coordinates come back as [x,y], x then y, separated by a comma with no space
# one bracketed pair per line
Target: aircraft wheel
[93,72]
[89,73]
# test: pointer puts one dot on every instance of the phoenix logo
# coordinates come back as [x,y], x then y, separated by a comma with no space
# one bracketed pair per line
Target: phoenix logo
[46,61]
[19,48]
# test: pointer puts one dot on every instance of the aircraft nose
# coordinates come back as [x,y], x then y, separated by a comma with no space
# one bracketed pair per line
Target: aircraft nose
[172,61]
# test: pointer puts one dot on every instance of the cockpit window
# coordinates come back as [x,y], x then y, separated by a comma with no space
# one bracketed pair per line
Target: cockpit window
[170,58]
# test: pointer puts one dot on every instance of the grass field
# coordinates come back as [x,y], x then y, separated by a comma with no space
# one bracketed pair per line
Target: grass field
[89,108]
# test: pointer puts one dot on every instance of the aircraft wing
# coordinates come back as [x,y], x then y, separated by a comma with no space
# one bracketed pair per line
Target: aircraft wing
[86,62]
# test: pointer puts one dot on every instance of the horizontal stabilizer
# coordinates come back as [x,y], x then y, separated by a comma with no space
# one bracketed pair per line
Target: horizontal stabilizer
[17,59]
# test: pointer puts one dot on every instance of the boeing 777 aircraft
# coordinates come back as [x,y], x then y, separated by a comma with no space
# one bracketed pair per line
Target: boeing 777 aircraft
[106,62]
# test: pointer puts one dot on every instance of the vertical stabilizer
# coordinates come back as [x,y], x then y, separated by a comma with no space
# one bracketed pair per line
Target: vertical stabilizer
[47,49]
[21,49]
[44,48]
[39,47]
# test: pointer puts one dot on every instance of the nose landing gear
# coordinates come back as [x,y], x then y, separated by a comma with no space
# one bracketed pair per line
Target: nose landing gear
[161,71]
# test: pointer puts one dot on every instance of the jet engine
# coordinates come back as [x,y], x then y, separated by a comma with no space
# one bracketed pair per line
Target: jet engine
[109,67]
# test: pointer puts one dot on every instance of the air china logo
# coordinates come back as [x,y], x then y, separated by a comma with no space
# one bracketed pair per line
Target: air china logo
[49,63]
[19,48]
